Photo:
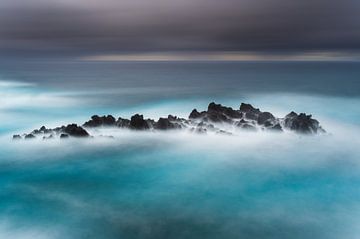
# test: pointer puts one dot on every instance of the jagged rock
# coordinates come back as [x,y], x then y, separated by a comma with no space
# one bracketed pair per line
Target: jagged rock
[151,123]
[276,127]
[249,111]
[16,137]
[172,118]
[57,130]
[245,124]
[97,121]
[122,123]
[264,117]
[302,123]
[30,136]
[64,136]
[137,122]
[248,108]
[36,131]
[227,111]
[44,130]
[75,131]
[212,120]
[216,113]
[194,114]
[165,123]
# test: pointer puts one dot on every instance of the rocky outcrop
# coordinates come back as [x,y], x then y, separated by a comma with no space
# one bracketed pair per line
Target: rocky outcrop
[96,121]
[137,122]
[217,118]
[29,136]
[302,123]
[75,131]
[16,137]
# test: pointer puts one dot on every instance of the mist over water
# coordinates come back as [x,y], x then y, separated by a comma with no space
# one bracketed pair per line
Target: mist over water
[178,184]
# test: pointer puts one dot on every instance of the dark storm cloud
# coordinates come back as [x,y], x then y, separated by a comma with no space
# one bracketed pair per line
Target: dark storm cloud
[64,27]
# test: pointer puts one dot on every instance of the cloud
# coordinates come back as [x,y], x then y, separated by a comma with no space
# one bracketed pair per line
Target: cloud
[84,28]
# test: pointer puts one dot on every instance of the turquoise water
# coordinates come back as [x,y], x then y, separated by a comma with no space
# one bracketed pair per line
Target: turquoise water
[179,185]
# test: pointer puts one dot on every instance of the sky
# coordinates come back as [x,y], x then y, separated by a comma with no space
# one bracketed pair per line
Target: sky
[180,29]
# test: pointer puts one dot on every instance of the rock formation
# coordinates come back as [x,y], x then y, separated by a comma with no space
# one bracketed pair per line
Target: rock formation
[216,118]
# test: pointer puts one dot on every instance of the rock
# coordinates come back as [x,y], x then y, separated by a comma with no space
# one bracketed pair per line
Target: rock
[137,122]
[227,111]
[30,136]
[57,130]
[248,108]
[216,113]
[264,117]
[302,123]
[172,118]
[97,121]
[194,114]
[151,123]
[75,131]
[217,118]
[36,131]
[64,136]
[276,127]
[165,123]
[16,137]
[122,123]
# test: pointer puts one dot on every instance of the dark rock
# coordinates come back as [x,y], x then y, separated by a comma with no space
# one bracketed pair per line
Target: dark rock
[151,123]
[194,114]
[217,117]
[302,123]
[122,123]
[242,121]
[16,137]
[249,108]
[247,117]
[137,122]
[165,123]
[265,117]
[216,113]
[244,124]
[30,136]
[172,118]
[36,131]
[97,121]
[227,111]
[276,127]
[75,131]
[57,130]
[64,136]
[268,124]
[251,116]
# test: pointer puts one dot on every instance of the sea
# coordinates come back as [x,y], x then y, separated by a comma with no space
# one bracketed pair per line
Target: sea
[170,185]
